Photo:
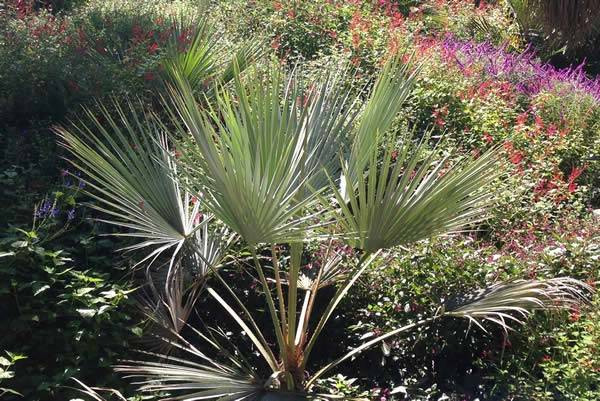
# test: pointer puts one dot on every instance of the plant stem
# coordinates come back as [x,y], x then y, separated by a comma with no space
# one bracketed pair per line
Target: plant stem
[364,262]
[295,260]
[275,260]
[271,305]
[271,357]
[303,321]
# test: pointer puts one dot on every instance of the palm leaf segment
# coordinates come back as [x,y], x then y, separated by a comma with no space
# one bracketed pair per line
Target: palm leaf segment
[197,374]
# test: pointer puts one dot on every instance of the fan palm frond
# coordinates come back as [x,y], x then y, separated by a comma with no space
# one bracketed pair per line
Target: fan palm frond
[258,154]
[514,301]
[192,54]
[499,304]
[410,196]
[390,91]
[195,375]
[93,391]
[129,170]
[195,55]
[171,294]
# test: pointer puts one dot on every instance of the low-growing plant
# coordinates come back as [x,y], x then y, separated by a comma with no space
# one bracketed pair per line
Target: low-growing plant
[6,363]
[61,298]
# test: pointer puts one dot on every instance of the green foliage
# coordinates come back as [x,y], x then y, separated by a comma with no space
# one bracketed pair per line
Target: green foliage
[5,368]
[63,292]
[58,298]
[441,357]
[50,64]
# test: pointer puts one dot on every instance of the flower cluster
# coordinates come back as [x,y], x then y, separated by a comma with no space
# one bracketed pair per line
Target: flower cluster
[523,69]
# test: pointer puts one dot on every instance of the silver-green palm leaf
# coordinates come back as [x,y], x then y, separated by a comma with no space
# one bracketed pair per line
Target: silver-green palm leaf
[258,156]
[128,169]
[410,196]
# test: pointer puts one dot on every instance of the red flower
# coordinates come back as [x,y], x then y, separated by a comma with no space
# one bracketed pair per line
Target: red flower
[153,48]
[575,173]
[137,34]
[516,157]
[440,116]
[397,19]
[575,315]
[543,187]
[355,39]
[546,358]
[149,76]
[488,138]
[275,43]
[539,123]
[522,118]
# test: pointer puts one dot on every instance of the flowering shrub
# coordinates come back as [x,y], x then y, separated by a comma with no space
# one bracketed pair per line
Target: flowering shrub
[546,119]
[50,63]
[410,287]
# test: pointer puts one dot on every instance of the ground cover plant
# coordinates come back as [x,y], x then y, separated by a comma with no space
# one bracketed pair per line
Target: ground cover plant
[316,200]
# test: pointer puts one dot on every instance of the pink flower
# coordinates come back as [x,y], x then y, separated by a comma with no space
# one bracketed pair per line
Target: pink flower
[198,218]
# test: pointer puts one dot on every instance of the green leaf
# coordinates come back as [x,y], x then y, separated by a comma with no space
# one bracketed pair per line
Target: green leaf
[86,313]
[83,291]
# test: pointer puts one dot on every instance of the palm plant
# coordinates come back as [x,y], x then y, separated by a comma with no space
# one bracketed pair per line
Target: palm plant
[566,26]
[280,162]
